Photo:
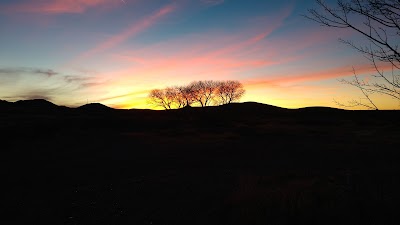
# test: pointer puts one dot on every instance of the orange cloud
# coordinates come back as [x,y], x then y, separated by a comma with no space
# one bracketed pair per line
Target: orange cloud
[142,92]
[57,6]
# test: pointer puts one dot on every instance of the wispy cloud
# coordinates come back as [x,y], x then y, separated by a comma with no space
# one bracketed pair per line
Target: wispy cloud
[142,92]
[318,75]
[46,94]
[48,72]
[24,70]
[83,81]
[72,79]
[56,6]
[211,55]
[131,31]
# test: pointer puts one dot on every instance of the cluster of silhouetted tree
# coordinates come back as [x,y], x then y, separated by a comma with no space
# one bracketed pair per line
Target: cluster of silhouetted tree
[201,93]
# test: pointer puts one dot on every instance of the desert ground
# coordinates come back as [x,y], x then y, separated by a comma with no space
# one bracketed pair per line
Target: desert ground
[241,163]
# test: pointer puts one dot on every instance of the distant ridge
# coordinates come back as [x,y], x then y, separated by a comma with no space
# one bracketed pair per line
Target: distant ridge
[42,105]
[4,102]
[248,107]
[232,110]
[319,109]
[254,105]
[35,103]
[95,107]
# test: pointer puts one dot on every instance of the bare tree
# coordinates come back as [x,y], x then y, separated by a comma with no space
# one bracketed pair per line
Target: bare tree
[229,91]
[177,100]
[378,21]
[204,91]
[201,92]
[162,98]
[186,95]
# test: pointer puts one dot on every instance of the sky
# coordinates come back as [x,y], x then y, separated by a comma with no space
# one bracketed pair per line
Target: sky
[73,52]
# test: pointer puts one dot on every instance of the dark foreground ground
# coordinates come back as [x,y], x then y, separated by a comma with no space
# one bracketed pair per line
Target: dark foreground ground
[237,164]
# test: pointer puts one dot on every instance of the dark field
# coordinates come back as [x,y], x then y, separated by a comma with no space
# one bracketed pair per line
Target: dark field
[236,164]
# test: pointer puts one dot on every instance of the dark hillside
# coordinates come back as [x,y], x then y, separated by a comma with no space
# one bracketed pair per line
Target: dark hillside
[3,102]
[251,107]
[319,109]
[244,163]
[40,106]
[35,103]
[95,107]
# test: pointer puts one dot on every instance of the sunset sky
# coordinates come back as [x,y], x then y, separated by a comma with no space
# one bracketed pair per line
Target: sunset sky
[114,52]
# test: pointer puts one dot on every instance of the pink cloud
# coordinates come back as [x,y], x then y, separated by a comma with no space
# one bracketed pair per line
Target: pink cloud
[181,66]
[206,55]
[57,6]
[333,73]
[123,95]
[200,54]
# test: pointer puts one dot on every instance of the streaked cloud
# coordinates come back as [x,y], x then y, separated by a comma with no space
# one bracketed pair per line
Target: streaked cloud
[142,92]
[55,6]
[46,94]
[215,54]
[24,70]
[130,32]
[72,78]
[283,80]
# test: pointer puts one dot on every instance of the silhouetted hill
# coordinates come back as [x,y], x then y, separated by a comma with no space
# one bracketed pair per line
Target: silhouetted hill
[237,109]
[233,109]
[254,107]
[245,108]
[95,107]
[4,103]
[41,105]
[319,109]
[29,106]
[35,103]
